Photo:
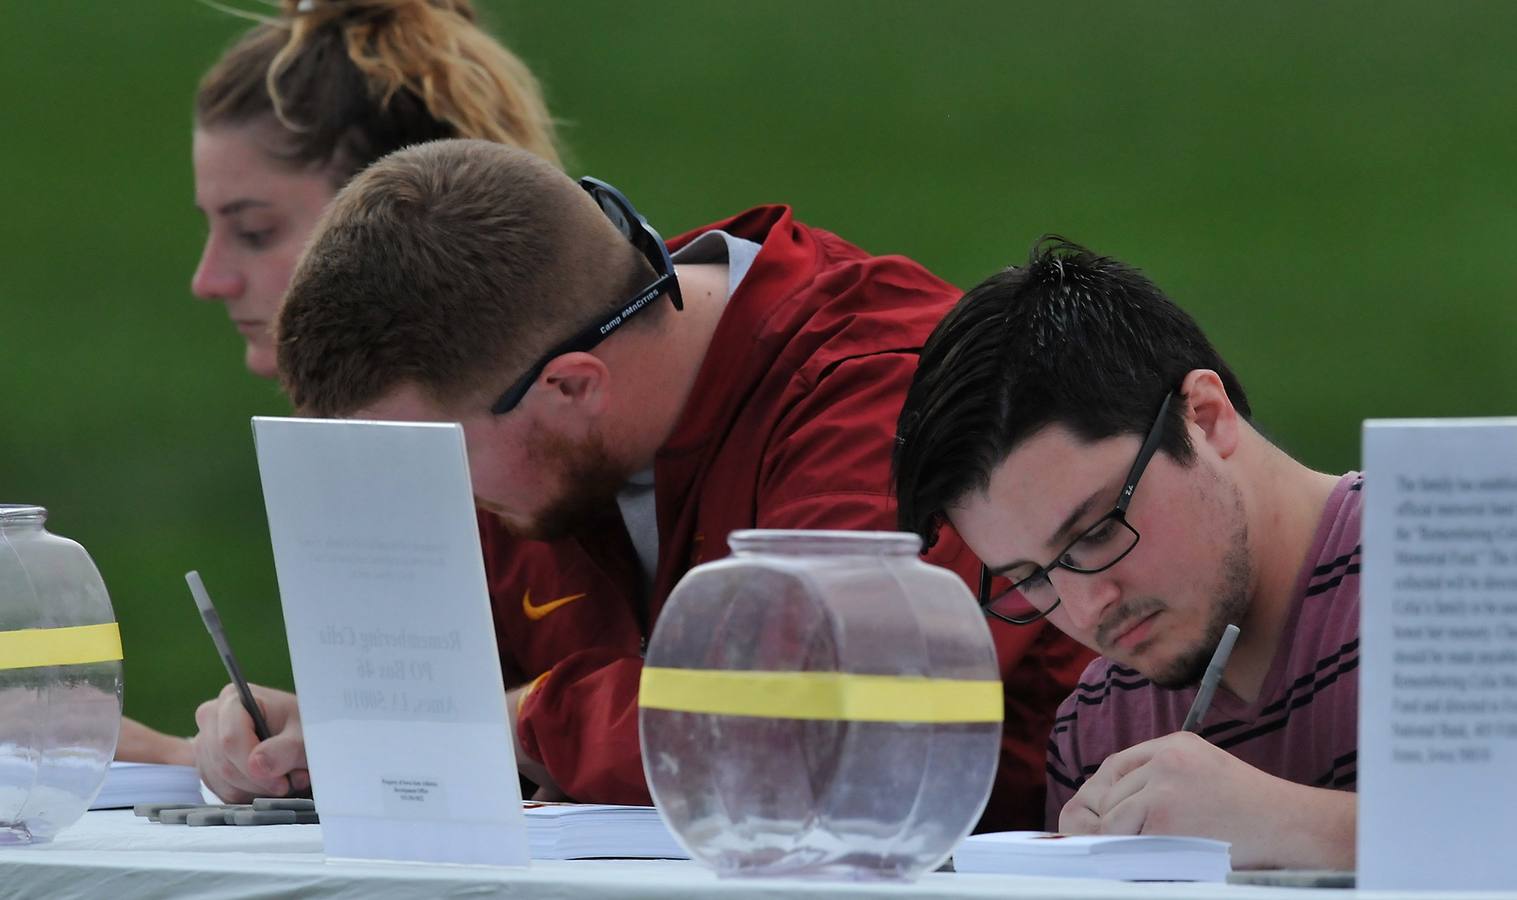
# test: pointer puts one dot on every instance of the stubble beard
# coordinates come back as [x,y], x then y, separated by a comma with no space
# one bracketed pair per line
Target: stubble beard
[589,480]
[1231,593]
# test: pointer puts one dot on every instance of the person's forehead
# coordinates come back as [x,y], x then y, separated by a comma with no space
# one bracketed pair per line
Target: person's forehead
[406,403]
[230,155]
[230,164]
[1056,463]
[1038,484]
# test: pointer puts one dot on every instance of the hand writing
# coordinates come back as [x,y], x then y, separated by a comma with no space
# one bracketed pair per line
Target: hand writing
[234,763]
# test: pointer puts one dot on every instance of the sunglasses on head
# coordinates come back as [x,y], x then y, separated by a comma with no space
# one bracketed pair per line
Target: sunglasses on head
[632,226]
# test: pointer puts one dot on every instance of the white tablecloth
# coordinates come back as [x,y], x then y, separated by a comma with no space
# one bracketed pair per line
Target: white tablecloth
[113,855]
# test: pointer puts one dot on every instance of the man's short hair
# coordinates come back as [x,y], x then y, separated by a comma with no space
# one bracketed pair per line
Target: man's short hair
[449,266]
[1071,338]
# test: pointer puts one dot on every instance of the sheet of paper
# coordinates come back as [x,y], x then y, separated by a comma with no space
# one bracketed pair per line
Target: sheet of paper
[1438,689]
[391,640]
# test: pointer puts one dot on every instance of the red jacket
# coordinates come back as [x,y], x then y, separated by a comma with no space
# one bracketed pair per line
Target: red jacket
[790,425]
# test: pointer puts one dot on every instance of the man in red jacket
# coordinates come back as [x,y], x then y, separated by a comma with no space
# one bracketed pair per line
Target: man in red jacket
[616,438]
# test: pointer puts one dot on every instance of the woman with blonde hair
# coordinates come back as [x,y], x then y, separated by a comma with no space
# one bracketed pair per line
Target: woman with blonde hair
[304,101]
[295,108]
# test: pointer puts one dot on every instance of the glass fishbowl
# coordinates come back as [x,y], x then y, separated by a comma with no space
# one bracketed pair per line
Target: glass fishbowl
[60,678]
[821,704]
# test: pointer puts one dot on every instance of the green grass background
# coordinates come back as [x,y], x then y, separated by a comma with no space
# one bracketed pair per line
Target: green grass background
[1329,188]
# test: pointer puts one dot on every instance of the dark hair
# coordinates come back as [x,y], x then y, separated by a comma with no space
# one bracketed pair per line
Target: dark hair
[348,81]
[1071,338]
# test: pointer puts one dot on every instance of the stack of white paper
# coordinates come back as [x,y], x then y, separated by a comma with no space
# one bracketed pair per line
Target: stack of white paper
[586,830]
[1122,857]
[128,784]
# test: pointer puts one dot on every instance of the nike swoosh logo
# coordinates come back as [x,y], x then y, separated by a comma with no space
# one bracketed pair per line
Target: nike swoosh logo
[542,609]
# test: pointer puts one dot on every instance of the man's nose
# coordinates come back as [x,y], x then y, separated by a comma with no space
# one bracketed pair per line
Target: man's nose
[1085,599]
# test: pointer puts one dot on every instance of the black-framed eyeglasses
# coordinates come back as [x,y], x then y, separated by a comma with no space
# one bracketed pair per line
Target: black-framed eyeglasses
[636,229]
[1096,549]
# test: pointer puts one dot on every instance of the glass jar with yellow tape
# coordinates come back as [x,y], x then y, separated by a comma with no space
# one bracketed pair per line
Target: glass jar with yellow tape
[60,678]
[820,704]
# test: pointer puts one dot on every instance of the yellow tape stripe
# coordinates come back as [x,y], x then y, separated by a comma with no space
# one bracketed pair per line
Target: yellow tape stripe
[78,644]
[821,695]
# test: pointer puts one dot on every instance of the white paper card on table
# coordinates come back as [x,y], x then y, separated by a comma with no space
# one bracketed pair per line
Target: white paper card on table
[1140,857]
[391,640]
[1438,682]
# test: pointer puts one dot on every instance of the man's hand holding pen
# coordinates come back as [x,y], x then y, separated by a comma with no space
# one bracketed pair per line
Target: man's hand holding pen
[1180,784]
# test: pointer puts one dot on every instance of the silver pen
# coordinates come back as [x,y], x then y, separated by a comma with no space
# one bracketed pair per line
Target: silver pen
[1210,679]
[212,621]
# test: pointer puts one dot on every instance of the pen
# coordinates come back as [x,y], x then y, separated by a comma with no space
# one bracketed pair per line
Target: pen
[218,636]
[1210,679]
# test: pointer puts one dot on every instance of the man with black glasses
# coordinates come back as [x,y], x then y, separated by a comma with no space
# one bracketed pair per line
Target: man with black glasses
[624,410]
[1085,439]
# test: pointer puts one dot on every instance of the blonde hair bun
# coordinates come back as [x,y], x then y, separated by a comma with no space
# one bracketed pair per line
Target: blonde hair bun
[352,80]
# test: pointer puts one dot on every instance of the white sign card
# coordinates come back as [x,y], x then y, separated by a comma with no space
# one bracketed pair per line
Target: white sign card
[391,640]
[1438,687]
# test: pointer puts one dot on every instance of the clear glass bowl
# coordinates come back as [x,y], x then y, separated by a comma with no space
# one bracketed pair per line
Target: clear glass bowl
[58,723]
[773,795]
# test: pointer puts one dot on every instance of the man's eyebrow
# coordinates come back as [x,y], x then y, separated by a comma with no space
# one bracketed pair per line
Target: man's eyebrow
[1062,535]
[1007,567]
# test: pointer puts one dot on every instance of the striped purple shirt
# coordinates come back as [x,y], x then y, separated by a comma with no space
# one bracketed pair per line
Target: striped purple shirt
[1304,725]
